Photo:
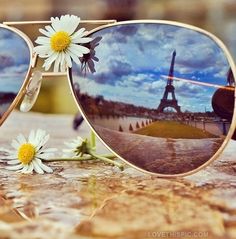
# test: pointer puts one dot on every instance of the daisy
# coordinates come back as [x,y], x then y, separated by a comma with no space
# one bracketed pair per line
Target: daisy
[61,43]
[28,153]
[77,148]
[84,149]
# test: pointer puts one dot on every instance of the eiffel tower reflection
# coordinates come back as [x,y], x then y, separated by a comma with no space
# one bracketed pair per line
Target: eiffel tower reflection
[169,89]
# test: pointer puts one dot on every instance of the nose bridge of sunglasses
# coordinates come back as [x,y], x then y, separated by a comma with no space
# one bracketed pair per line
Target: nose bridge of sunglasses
[32,91]
[34,85]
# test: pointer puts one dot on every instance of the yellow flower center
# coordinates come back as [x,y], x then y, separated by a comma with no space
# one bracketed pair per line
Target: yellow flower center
[60,41]
[26,153]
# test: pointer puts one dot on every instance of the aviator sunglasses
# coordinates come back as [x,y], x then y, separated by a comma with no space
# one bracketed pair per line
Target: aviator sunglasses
[159,94]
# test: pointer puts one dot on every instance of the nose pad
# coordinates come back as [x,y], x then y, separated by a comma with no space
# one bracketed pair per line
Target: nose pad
[32,92]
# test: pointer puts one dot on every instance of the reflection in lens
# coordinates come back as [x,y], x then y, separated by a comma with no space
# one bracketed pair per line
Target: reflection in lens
[150,95]
[87,61]
[14,64]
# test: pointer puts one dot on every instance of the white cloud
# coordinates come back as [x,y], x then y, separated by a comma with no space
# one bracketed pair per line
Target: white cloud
[195,51]
[129,69]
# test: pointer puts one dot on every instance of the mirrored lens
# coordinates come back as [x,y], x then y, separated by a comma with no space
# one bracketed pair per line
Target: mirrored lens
[14,64]
[151,92]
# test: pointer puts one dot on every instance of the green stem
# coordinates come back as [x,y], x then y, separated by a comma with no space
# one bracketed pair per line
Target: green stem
[110,156]
[120,166]
[87,157]
[93,139]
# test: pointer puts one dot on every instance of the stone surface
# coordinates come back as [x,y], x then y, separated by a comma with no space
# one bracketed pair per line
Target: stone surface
[94,200]
[161,155]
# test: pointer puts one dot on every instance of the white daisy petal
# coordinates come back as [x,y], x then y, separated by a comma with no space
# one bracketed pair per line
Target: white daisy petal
[85,33]
[46,66]
[43,166]
[42,152]
[82,40]
[64,22]
[44,32]
[5,150]
[15,167]
[15,161]
[74,24]
[78,34]
[42,50]
[37,168]
[74,57]
[52,58]
[45,156]
[50,30]
[31,137]
[72,149]
[68,60]
[68,144]
[48,150]
[57,63]
[24,169]
[79,50]
[43,40]
[62,62]
[39,134]
[76,143]
[43,141]
[15,144]
[21,139]
[30,168]
[79,139]
[66,150]
[55,24]
[10,157]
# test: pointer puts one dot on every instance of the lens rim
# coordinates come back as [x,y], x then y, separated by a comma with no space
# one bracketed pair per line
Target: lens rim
[178,24]
[23,87]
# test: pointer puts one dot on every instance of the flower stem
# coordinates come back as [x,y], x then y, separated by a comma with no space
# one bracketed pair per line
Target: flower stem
[110,156]
[93,139]
[120,166]
[87,157]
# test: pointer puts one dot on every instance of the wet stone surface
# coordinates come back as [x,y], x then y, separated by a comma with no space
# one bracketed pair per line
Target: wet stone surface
[94,200]
[165,155]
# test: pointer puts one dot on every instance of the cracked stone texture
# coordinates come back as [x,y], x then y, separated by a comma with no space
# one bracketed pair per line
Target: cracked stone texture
[94,200]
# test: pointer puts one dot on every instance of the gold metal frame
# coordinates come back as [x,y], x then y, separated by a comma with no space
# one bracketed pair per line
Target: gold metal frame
[231,63]
[111,23]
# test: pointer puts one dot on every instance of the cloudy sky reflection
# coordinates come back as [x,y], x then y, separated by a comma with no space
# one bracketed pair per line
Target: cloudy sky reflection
[14,61]
[132,60]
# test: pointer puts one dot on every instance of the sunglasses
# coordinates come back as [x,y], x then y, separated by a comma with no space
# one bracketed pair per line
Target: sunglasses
[159,94]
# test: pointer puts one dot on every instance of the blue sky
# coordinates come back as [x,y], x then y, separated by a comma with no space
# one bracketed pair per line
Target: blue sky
[14,61]
[134,58]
